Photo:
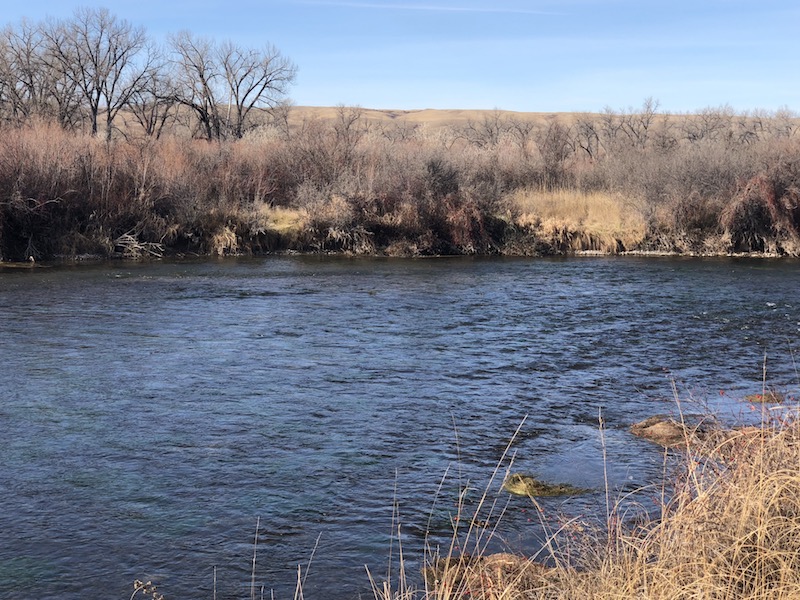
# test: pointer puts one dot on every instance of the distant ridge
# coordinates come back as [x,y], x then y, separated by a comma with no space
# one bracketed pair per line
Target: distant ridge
[434,117]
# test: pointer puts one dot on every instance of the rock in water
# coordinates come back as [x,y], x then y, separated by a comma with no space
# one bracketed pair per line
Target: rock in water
[527,485]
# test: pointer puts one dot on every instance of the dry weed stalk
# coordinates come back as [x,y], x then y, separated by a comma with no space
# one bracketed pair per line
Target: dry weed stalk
[727,528]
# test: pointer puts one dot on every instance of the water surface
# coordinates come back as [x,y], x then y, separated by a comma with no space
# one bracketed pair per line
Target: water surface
[151,413]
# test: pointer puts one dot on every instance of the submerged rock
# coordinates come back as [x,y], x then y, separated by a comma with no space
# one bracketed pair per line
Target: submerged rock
[767,397]
[526,485]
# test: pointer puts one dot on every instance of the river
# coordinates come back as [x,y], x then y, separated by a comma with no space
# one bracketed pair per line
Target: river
[152,414]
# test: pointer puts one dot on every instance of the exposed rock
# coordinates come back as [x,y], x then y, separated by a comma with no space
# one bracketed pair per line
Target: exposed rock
[491,576]
[668,432]
[767,397]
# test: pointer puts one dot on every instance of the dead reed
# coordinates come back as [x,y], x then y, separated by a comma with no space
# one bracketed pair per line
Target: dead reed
[728,528]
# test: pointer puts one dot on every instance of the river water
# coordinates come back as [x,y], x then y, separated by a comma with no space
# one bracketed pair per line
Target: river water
[152,414]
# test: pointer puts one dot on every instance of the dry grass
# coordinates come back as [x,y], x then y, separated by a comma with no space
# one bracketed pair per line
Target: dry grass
[406,182]
[433,119]
[731,529]
[728,529]
[278,219]
[573,220]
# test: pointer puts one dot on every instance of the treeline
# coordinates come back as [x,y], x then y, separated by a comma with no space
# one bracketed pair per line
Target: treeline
[192,148]
[82,73]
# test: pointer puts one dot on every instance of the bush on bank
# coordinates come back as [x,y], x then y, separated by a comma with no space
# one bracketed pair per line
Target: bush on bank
[346,184]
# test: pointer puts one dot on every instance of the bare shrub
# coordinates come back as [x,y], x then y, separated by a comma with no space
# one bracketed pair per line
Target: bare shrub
[765,213]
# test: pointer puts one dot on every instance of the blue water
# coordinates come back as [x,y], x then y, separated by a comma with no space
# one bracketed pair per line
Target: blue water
[150,414]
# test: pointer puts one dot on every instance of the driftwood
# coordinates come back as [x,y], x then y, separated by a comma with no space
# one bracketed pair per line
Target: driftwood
[129,246]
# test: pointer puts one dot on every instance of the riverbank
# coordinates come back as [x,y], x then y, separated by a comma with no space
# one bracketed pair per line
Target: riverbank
[724,526]
[497,183]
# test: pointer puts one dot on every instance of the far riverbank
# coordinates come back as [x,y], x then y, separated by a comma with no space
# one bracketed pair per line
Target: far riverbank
[609,183]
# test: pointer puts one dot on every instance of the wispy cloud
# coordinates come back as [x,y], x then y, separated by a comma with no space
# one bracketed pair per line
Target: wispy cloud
[429,7]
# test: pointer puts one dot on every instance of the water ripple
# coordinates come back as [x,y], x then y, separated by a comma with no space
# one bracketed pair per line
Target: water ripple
[151,413]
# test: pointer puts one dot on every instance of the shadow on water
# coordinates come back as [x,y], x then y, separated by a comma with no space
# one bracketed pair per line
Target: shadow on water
[152,412]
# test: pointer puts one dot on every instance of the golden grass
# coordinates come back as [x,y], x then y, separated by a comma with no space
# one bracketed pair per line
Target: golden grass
[224,242]
[285,221]
[731,530]
[580,221]
[430,118]
[727,528]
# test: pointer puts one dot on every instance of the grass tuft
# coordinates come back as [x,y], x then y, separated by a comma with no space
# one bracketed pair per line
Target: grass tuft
[572,220]
[729,529]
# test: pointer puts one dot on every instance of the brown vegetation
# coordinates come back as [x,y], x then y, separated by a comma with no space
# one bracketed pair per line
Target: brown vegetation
[348,184]
[726,528]
[192,148]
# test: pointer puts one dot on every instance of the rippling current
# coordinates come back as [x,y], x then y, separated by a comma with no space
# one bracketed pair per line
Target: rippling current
[151,414]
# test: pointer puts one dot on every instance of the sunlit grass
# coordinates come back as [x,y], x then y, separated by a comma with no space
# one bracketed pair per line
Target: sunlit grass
[574,220]
[726,525]
[281,220]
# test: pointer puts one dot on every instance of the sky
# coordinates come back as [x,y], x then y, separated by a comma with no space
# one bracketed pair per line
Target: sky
[521,55]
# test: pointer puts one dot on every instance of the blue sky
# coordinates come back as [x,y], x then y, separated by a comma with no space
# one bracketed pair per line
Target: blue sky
[525,55]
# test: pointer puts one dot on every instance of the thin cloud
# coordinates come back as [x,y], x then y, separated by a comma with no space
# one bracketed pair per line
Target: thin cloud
[429,7]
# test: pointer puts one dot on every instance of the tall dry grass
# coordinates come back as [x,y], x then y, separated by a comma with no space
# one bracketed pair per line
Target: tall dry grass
[728,528]
[573,220]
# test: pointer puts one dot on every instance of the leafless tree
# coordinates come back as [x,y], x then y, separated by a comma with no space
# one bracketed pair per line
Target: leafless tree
[197,80]
[23,86]
[784,122]
[153,102]
[32,83]
[556,144]
[709,123]
[399,131]
[253,79]
[486,132]
[222,84]
[349,128]
[7,79]
[522,132]
[105,57]
[587,136]
[636,125]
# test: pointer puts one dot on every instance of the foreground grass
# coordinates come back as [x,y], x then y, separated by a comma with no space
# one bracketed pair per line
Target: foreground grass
[730,529]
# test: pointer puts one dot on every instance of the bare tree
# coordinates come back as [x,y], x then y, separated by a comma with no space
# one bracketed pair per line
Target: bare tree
[106,58]
[636,125]
[556,145]
[253,79]
[32,83]
[22,74]
[222,84]
[522,132]
[198,81]
[587,136]
[7,79]
[153,102]
[349,128]
[487,132]
[709,123]
[399,131]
